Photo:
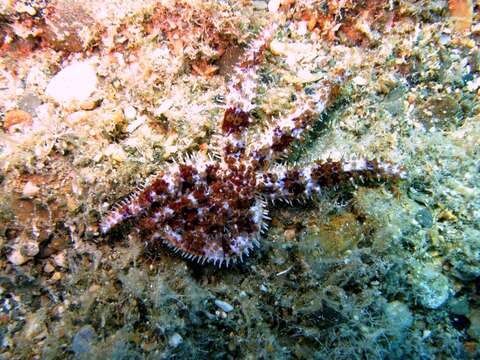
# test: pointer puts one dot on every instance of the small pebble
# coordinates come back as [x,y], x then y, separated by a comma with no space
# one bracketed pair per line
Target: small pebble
[360,81]
[76,82]
[175,340]
[89,104]
[289,234]
[167,104]
[16,258]
[424,218]
[134,125]
[224,305]
[116,153]
[398,315]
[60,260]
[83,340]
[48,268]
[130,112]
[260,5]
[29,248]
[273,5]
[57,276]
[30,189]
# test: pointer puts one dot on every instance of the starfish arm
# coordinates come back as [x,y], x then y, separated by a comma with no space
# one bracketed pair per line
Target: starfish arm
[241,92]
[296,182]
[276,141]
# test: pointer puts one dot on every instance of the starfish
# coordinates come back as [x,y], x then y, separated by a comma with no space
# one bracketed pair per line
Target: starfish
[214,209]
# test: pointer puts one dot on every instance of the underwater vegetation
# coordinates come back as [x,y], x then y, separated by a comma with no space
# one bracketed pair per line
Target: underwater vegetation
[231,109]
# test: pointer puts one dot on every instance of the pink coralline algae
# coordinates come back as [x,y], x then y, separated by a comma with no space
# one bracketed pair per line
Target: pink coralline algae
[214,210]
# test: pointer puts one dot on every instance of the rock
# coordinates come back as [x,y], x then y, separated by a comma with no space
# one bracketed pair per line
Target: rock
[440,112]
[474,329]
[424,218]
[48,268]
[175,340]
[430,286]
[35,324]
[57,276]
[398,315]
[360,81]
[17,117]
[458,306]
[29,248]
[273,5]
[465,257]
[290,234]
[16,258]
[224,305]
[30,189]
[71,26]
[116,153]
[260,5]
[83,340]
[29,103]
[278,48]
[60,260]
[130,112]
[75,83]
[89,104]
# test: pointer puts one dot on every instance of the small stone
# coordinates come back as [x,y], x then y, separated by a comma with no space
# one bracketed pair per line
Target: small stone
[398,315]
[430,286]
[474,329]
[83,340]
[224,305]
[458,306]
[130,112]
[290,234]
[48,268]
[116,153]
[167,104]
[29,248]
[424,218]
[34,325]
[16,258]
[57,276]
[134,125]
[278,48]
[29,103]
[89,104]
[30,189]
[273,5]
[76,82]
[175,340]
[17,117]
[360,81]
[260,5]
[60,260]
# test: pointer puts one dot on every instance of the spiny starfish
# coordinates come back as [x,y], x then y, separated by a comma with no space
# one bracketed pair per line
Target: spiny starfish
[214,209]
